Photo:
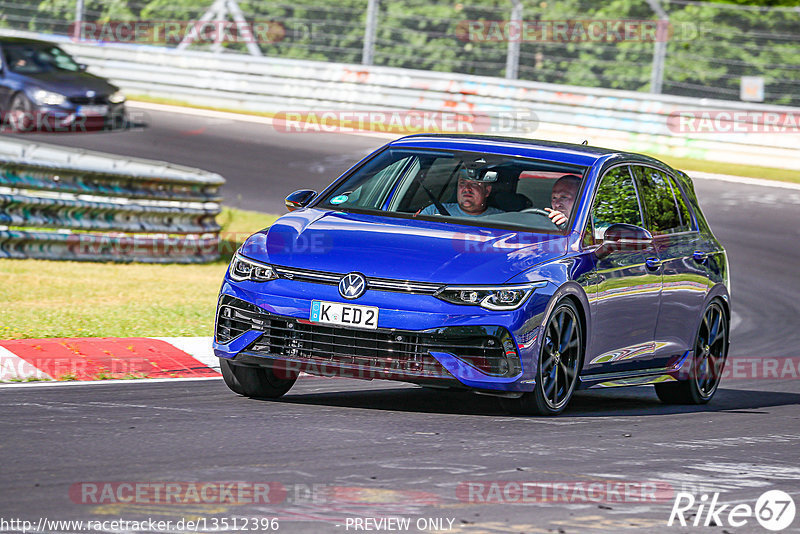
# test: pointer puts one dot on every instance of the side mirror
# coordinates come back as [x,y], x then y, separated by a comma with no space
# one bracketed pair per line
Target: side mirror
[299,199]
[624,238]
[82,67]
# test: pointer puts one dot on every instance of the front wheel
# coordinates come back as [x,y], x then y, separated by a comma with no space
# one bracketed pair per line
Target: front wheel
[560,360]
[710,352]
[257,382]
[20,114]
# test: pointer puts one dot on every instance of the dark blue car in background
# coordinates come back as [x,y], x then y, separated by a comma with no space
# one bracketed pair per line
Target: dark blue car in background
[42,88]
[384,275]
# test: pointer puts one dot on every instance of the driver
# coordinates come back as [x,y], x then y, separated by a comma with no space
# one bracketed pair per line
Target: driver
[473,191]
[562,198]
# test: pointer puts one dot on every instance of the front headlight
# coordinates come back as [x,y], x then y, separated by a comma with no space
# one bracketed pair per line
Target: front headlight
[48,98]
[117,98]
[246,269]
[490,297]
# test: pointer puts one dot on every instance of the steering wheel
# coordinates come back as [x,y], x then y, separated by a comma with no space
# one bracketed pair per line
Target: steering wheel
[541,212]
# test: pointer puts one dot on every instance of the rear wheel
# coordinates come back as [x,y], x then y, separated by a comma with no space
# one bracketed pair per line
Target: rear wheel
[710,352]
[560,359]
[258,382]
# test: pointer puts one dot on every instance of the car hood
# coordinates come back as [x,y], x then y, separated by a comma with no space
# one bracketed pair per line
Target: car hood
[72,84]
[404,249]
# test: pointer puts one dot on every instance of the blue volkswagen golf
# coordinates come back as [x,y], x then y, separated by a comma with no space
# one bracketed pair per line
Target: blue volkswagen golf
[516,268]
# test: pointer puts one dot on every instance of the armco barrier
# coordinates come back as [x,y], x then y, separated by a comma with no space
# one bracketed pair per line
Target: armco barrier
[605,117]
[618,119]
[623,119]
[58,203]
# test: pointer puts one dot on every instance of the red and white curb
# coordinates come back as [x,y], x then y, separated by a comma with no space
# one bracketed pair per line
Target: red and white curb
[85,359]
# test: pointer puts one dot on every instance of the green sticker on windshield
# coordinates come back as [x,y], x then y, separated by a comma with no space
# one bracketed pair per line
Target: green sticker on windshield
[339,199]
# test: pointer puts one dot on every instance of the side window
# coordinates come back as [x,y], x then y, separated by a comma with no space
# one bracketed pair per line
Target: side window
[683,208]
[373,192]
[660,202]
[615,202]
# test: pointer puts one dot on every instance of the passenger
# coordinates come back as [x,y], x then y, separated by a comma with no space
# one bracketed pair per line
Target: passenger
[562,198]
[472,196]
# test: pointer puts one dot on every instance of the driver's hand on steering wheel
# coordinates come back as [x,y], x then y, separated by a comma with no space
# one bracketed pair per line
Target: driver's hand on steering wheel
[556,216]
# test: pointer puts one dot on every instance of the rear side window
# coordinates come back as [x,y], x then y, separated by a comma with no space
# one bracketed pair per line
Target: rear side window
[615,201]
[666,208]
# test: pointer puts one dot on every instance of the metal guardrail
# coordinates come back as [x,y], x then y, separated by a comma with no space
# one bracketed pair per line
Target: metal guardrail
[621,119]
[617,119]
[58,203]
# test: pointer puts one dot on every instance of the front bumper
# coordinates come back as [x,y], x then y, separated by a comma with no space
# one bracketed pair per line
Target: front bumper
[457,346]
[76,118]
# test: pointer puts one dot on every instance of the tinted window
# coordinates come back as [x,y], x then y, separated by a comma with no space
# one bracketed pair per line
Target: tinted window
[35,59]
[659,196]
[683,208]
[447,185]
[615,201]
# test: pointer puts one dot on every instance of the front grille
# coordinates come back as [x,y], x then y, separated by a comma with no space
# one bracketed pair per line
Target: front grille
[89,101]
[383,284]
[382,351]
[397,352]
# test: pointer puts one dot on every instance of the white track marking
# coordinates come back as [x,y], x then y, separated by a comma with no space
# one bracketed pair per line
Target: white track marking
[742,180]
[104,382]
[13,367]
[198,348]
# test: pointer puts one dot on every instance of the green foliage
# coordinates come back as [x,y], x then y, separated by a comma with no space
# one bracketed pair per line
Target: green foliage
[710,47]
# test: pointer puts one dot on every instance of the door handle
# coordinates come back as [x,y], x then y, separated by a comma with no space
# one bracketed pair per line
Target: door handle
[700,256]
[652,263]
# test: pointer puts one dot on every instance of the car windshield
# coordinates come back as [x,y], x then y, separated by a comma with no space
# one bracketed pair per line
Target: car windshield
[461,187]
[35,59]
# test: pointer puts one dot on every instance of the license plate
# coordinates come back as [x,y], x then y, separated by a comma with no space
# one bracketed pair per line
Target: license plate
[344,314]
[92,110]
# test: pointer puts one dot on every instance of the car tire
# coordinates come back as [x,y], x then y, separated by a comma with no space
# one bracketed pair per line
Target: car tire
[230,379]
[20,114]
[255,381]
[559,364]
[710,354]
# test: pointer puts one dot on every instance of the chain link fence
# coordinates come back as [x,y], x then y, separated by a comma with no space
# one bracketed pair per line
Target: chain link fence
[697,49]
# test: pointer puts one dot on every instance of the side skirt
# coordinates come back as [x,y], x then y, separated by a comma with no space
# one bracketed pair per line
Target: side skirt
[641,377]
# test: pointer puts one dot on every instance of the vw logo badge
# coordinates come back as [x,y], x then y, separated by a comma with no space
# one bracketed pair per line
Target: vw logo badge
[352,285]
[90,94]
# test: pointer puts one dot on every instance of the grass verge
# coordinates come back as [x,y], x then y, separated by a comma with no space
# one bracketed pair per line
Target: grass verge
[84,299]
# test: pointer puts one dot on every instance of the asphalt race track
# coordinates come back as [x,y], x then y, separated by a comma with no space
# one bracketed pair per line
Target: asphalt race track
[340,453]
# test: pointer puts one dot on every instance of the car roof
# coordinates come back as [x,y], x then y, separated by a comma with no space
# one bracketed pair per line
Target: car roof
[532,148]
[24,40]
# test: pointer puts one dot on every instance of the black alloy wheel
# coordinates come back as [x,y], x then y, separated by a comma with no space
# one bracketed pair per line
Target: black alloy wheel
[710,353]
[560,360]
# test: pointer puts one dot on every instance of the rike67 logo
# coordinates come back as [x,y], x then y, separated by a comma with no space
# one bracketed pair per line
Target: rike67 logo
[774,510]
